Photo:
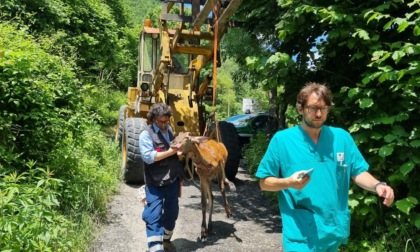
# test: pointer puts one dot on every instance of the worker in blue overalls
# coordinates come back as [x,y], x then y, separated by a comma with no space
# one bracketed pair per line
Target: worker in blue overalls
[163,177]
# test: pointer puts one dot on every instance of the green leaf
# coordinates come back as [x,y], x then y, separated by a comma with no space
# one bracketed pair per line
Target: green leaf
[398,55]
[364,210]
[366,102]
[353,203]
[372,17]
[416,159]
[374,135]
[362,34]
[382,7]
[405,205]
[389,138]
[353,92]
[386,151]
[383,77]
[388,25]
[366,80]
[358,55]
[399,131]
[366,125]
[401,74]
[40,183]
[402,26]
[417,221]
[407,168]
[370,199]
[354,128]
[416,30]
[415,143]
[384,120]
[251,62]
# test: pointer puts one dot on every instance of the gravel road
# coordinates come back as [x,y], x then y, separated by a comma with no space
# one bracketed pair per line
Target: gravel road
[254,226]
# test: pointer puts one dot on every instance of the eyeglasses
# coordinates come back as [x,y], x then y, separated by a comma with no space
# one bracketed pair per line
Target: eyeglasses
[162,121]
[313,109]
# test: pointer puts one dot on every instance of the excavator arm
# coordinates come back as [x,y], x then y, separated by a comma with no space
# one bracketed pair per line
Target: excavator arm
[195,40]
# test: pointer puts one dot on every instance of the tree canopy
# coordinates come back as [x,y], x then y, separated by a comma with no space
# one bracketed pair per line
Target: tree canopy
[367,53]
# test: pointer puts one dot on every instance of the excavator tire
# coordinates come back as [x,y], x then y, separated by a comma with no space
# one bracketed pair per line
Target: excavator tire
[131,162]
[120,125]
[230,139]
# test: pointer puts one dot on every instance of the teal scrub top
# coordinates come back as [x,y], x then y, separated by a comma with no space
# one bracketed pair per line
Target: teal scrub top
[316,217]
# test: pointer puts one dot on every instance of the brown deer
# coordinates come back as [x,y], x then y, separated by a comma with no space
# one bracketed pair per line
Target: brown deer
[209,158]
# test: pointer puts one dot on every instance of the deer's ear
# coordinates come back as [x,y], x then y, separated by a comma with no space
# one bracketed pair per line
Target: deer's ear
[200,139]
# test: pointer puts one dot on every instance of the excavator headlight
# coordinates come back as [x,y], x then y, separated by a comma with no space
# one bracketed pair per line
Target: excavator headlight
[144,87]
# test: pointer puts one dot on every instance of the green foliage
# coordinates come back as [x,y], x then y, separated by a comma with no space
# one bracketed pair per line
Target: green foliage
[390,74]
[227,104]
[57,167]
[91,33]
[254,152]
[103,103]
[29,218]
[42,213]
[138,10]
[38,97]
[368,54]
[91,169]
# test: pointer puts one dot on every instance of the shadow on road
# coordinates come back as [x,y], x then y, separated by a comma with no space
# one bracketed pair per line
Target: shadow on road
[221,230]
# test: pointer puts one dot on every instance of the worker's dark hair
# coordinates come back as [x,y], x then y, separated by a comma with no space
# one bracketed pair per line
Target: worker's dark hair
[159,109]
[321,90]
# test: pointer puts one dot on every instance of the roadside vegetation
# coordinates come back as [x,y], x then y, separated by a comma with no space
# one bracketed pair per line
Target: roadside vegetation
[65,67]
[61,67]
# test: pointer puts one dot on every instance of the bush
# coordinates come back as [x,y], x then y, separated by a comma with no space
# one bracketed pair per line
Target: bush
[57,167]
[253,153]
[40,100]
[104,103]
[30,219]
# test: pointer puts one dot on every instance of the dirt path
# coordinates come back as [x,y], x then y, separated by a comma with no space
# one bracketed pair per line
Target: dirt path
[254,226]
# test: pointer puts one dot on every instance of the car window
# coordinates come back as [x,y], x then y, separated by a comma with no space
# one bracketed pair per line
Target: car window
[260,122]
[235,118]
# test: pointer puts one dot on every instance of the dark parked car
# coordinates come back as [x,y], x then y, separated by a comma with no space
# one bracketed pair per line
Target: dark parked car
[247,125]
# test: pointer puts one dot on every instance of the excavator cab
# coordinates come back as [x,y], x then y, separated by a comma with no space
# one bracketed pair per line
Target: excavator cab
[150,56]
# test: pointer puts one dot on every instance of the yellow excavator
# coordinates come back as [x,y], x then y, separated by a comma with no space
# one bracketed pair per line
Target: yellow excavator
[170,62]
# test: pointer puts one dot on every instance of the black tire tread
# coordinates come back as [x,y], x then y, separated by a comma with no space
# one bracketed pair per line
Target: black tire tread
[134,166]
[230,138]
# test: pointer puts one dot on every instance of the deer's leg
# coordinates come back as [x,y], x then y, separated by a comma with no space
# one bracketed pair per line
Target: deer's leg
[204,195]
[221,178]
[211,201]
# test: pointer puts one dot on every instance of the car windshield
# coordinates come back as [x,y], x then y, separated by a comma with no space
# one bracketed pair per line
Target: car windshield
[235,117]
[240,120]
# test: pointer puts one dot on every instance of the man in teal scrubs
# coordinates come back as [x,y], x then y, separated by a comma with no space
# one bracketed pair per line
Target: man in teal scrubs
[314,206]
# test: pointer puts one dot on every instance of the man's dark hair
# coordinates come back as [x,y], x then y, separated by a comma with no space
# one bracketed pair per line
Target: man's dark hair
[159,109]
[321,90]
